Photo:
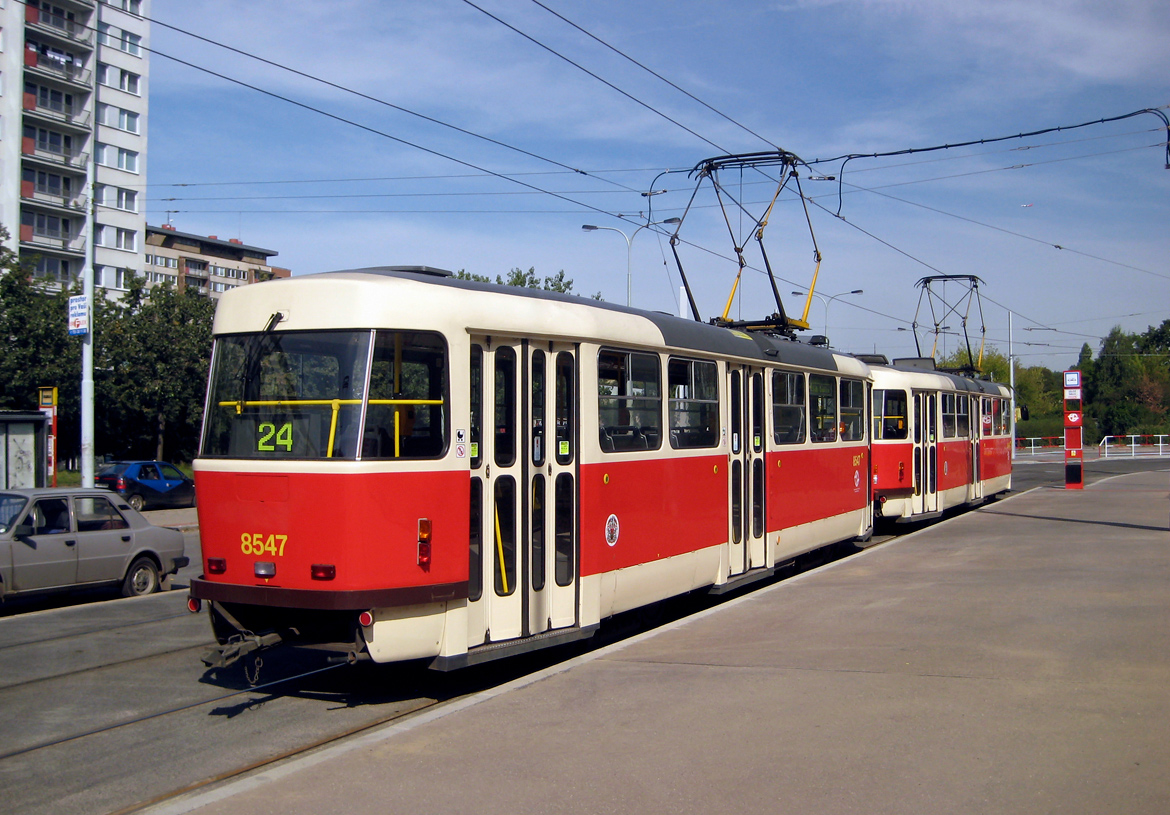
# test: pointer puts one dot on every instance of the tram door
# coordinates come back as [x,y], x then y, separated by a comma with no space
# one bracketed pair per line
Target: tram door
[523,553]
[746,486]
[980,409]
[925,452]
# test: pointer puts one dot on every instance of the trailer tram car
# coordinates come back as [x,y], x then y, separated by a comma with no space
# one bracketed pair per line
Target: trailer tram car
[397,464]
[940,440]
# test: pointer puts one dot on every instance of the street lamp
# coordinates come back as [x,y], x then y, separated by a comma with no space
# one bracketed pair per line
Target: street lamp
[827,300]
[629,246]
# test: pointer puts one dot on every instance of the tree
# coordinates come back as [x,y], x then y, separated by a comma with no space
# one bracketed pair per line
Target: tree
[154,353]
[38,352]
[527,280]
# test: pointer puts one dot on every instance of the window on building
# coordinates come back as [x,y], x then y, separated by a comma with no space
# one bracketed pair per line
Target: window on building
[54,269]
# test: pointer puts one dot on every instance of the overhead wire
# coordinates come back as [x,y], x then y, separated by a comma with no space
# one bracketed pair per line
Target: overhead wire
[564,197]
[600,79]
[654,73]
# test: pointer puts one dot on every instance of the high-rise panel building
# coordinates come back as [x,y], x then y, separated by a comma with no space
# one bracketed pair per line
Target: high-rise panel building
[74,77]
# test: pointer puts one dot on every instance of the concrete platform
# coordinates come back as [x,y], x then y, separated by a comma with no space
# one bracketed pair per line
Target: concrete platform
[1015,659]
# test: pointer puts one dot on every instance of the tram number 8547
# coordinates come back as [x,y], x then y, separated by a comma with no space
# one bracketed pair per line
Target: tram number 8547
[258,544]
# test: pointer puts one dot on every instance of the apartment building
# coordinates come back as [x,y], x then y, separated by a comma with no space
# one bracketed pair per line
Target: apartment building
[204,264]
[74,81]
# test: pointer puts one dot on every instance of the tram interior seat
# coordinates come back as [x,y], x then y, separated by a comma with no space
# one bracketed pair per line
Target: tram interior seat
[628,437]
[684,437]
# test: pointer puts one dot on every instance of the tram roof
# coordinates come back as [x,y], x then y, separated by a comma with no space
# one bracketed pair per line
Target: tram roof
[583,319]
[913,374]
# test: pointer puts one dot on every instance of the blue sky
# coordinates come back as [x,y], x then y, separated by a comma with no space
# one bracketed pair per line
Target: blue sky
[819,78]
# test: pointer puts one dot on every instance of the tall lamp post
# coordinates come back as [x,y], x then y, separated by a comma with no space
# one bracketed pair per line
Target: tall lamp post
[827,301]
[629,247]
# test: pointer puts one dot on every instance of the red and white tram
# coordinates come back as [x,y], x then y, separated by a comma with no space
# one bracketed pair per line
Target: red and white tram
[397,464]
[939,440]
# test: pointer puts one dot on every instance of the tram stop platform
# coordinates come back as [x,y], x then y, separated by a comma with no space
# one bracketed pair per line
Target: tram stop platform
[1013,659]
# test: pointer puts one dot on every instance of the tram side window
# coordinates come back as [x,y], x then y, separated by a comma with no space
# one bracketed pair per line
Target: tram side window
[693,386]
[889,414]
[822,396]
[950,419]
[406,416]
[963,415]
[788,409]
[852,410]
[1001,418]
[629,402]
[956,415]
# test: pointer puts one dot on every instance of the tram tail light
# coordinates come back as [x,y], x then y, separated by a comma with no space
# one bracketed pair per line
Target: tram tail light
[216,565]
[424,542]
[323,571]
[366,618]
[194,605]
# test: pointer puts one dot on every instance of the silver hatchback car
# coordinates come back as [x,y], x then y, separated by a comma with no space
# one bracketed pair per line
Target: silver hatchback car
[60,539]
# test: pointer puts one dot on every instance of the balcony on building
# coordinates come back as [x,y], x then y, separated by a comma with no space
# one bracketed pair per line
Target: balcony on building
[74,158]
[69,68]
[33,238]
[75,117]
[57,25]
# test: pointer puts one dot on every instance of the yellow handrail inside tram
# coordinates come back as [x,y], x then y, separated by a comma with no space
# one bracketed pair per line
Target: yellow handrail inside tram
[335,404]
[500,552]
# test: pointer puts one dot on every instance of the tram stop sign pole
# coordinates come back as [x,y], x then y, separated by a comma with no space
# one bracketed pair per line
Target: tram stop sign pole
[1074,421]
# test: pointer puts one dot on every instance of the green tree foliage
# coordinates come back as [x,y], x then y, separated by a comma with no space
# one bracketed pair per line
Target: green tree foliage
[527,280]
[151,371]
[150,363]
[1127,387]
[38,352]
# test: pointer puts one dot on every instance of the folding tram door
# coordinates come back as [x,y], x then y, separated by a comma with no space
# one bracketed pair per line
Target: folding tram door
[977,428]
[524,559]
[925,452]
[746,471]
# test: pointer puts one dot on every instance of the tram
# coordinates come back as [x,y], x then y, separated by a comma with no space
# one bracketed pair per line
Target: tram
[940,440]
[397,464]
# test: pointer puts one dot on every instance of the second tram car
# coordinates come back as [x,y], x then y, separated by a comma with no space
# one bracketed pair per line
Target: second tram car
[397,464]
[940,440]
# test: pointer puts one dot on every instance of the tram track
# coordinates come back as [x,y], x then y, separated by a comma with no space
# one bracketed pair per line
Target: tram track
[160,714]
[267,762]
[88,632]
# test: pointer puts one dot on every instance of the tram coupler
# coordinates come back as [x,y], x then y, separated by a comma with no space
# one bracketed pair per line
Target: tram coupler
[223,655]
[349,658]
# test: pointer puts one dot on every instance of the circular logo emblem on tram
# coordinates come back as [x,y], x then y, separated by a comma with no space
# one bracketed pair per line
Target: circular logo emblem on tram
[856,479]
[612,530]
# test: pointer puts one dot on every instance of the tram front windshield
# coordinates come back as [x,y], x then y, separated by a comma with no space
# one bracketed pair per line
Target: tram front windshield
[327,395]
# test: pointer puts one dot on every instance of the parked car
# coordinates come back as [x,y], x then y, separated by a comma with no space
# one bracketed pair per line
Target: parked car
[57,539]
[148,484]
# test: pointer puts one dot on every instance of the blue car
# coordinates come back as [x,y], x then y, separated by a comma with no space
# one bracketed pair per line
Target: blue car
[148,484]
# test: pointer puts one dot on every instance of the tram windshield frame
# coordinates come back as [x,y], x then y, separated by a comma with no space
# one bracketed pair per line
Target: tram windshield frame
[353,394]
